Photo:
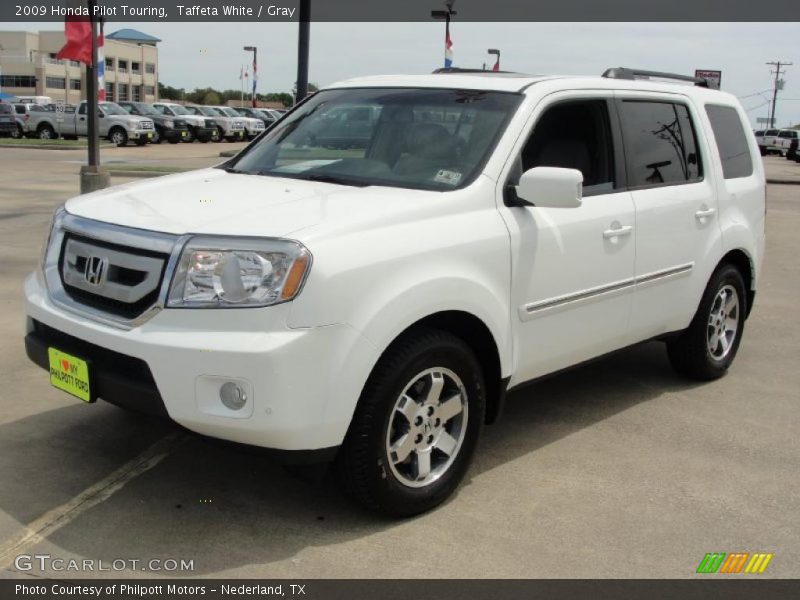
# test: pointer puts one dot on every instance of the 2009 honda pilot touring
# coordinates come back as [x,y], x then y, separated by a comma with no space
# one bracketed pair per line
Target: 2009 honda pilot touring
[371,303]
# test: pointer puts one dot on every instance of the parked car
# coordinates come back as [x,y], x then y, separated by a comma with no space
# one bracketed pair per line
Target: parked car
[792,154]
[201,128]
[173,130]
[23,113]
[255,113]
[769,142]
[115,124]
[227,128]
[373,309]
[785,139]
[253,127]
[8,121]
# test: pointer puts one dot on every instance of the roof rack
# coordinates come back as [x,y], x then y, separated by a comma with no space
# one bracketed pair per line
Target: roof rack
[625,73]
[460,70]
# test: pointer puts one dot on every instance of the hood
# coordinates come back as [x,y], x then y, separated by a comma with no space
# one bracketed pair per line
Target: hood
[212,201]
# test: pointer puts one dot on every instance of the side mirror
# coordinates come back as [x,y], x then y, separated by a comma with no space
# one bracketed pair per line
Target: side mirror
[549,187]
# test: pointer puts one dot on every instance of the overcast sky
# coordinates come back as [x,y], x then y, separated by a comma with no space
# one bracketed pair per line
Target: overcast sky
[199,55]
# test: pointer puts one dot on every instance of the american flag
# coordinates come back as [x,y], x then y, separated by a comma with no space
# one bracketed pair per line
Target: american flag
[448,50]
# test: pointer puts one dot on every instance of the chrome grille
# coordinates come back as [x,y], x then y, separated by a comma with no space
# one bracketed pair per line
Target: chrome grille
[180,124]
[115,275]
[146,124]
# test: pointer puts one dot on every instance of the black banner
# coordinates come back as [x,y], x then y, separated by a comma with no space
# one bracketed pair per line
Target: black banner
[343,589]
[409,10]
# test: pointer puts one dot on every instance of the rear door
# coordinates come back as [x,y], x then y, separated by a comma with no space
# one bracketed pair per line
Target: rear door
[677,227]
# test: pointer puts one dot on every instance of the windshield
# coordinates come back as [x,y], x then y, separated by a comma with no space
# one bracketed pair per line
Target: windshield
[146,109]
[110,108]
[415,138]
[207,111]
[229,112]
[179,110]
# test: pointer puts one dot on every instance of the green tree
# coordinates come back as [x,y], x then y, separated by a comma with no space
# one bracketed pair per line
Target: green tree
[167,92]
[211,97]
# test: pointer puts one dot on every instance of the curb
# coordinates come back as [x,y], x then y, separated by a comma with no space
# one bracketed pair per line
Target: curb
[229,153]
[784,181]
[49,146]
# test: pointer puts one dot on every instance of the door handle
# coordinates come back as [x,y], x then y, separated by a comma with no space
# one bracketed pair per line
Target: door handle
[705,213]
[618,232]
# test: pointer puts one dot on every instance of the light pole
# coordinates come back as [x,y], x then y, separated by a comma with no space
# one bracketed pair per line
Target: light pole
[303,42]
[254,50]
[446,15]
[495,52]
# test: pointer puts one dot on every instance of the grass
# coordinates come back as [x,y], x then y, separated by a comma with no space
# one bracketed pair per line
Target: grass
[36,142]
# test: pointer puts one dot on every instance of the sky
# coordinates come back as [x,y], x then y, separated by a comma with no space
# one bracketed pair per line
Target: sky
[210,54]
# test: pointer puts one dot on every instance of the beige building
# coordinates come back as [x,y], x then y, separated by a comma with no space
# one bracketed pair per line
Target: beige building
[29,67]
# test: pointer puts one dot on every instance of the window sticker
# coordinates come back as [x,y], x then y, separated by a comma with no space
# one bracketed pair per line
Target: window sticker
[448,177]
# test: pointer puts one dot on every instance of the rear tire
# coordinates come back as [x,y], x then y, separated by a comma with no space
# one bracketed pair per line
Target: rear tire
[18,133]
[416,425]
[707,348]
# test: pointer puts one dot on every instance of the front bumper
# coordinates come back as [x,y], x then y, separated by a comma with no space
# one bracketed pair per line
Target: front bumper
[175,135]
[138,134]
[302,384]
[203,134]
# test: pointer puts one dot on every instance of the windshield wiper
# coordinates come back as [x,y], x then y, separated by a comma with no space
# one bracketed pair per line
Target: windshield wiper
[236,171]
[324,178]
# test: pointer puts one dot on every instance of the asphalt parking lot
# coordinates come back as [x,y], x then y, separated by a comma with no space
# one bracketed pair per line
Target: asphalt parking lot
[617,469]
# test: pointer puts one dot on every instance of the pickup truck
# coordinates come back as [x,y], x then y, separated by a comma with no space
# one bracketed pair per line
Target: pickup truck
[170,129]
[200,128]
[768,141]
[228,128]
[115,124]
[784,141]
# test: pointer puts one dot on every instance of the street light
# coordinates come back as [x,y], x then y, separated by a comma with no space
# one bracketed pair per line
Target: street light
[254,50]
[446,15]
[495,52]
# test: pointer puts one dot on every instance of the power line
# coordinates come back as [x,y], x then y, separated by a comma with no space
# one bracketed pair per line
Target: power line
[754,94]
[778,84]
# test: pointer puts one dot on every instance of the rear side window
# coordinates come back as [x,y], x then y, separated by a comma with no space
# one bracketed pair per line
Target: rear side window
[734,151]
[660,143]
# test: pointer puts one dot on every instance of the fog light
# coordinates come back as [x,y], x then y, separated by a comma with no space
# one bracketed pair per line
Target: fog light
[232,396]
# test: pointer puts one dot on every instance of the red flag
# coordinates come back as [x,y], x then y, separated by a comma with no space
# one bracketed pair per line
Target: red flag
[78,32]
[496,66]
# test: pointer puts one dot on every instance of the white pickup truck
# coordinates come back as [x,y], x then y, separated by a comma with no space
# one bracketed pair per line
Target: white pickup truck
[115,124]
[370,302]
[783,143]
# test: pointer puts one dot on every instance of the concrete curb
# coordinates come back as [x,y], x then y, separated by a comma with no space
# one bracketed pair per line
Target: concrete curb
[229,153]
[50,147]
[775,181]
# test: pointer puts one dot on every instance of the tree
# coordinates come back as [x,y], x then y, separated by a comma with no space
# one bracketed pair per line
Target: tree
[167,92]
[211,98]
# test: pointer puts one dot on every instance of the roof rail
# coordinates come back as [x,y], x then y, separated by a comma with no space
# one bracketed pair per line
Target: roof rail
[625,73]
[460,70]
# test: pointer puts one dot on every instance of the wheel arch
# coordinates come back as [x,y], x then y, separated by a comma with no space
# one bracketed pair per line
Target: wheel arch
[480,339]
[740,259]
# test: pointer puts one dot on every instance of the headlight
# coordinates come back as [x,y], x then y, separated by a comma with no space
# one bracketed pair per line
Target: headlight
[238,272]
[57,215]
[170,124]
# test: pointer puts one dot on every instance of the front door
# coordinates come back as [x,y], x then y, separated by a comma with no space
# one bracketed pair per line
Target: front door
[572,268]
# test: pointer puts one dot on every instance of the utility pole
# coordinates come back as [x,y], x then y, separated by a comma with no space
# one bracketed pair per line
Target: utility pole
[778,85]
[93,176]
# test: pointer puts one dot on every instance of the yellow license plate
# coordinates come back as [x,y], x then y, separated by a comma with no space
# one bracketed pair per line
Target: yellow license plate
[149,135]
[183,134]
[69,374]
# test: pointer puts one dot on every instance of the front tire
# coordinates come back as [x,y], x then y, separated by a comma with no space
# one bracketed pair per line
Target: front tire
[416,425]
[118,136]
[46,132]
[708,347]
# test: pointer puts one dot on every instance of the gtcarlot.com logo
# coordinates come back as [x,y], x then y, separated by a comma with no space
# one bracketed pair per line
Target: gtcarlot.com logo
[46,562]
[736,562]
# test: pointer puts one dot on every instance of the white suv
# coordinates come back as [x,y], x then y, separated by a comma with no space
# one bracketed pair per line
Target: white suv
[371,303]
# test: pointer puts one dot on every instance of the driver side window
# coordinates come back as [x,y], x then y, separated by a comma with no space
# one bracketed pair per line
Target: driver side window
[574,135]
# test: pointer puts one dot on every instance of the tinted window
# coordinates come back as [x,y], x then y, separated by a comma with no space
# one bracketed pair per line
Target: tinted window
[731,141]
[759,133]
[660,143]
[771,132]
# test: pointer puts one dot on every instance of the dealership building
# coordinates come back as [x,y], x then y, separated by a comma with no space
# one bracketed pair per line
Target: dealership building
[29,67]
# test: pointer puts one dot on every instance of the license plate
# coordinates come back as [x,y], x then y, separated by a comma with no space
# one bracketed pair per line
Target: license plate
[69,374]
[183,134]
[149,136]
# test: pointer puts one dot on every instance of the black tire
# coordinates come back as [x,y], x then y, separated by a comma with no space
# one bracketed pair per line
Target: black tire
[689,352]
[18,133]
[363,463]
[158,136]
[118,136]
[217,135]
[46,132]
[141,142]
